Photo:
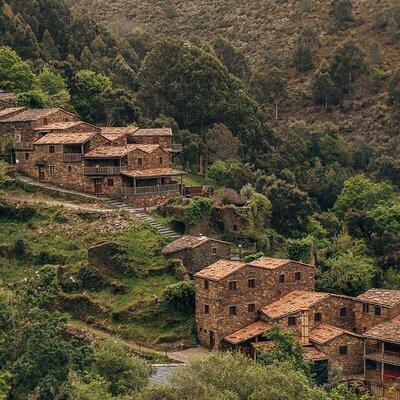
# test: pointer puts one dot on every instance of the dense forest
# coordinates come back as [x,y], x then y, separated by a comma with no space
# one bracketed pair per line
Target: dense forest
[290,108]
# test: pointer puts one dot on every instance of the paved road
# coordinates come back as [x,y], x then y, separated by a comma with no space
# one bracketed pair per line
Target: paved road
[137,212]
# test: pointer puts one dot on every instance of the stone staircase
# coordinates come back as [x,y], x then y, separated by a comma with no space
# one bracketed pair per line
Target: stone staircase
[137,212]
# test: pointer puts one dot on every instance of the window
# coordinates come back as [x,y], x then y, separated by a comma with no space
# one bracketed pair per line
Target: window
[110,182]
[252,283]
[160,160]
[45,121]
[281,278]
[378,311]
[297,276]
[214,250]
[206,309]
[291,321]
[52,169]
[343,350]
[365,308]
[69,168]
[206,284]
[52,149]
[343,312]
[232,285]
[26,156]
[232,310]
[317,317]
[251,307]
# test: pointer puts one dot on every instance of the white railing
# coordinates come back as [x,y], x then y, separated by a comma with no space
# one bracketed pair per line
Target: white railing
[102,170]
[149,189]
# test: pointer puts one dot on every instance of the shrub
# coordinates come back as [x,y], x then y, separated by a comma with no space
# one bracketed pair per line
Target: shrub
[198,209]
[179,297]
[20,248]
[91,278]
[16,213]
[226,196]
[299,249]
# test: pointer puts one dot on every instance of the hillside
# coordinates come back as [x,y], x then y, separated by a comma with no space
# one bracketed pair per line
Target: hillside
[268,33]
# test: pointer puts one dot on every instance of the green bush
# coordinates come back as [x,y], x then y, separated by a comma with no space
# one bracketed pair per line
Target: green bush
[198,210]
[20,248]
[179,297]
[91,278]
[16,213]
[299,249]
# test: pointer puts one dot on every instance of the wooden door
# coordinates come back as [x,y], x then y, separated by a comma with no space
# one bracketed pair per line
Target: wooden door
[97,187]
[212,339]
[42,173]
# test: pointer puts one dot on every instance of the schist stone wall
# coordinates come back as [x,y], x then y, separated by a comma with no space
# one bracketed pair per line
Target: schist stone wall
[369,315]
[163,141]
[219,298]
[159,158]
[197,258]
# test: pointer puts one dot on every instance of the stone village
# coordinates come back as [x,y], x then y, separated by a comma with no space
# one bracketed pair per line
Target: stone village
[236,301]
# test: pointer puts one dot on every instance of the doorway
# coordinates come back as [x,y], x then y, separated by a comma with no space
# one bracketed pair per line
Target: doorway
[97,187]
[41,173]
[212,339]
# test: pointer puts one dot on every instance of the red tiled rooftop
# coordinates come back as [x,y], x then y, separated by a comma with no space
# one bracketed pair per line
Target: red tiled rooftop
[272,263]
[246,333]
[120,151]
[114,133]
[32,115]
[293,302]
[381,297]
[8,96]
[312,354]
[387,331]
[152,172]
[325,333]
[65,138]
[220,269]
[154,132]
[187,242]
[59,126]
[8,112]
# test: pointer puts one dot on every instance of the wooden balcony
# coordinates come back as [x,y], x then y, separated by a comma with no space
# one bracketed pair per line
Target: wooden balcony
[132,191]
[72,157]
[390,357]
[376,377]
[102,170]
[23,146]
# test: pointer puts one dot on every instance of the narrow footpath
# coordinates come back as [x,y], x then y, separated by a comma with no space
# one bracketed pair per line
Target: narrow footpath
[116,204]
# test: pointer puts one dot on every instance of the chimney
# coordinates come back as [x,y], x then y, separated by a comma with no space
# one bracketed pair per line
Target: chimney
[305,328]
[313,258]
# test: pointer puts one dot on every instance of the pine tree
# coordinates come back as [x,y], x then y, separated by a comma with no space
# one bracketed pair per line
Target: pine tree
[49,47]
[341,11]
[325,91]
[86,58]
[302,59]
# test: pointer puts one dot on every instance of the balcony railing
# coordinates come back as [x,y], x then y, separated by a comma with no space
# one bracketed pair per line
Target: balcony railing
[72,157]
[387,356]
[23,146]
[149,189]
[376,377]
[102,170]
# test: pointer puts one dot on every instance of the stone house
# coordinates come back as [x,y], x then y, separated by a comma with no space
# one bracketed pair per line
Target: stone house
[7,99]
[196,252]
[229,293]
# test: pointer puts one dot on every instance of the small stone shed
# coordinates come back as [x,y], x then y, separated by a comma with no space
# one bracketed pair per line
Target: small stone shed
[197,252]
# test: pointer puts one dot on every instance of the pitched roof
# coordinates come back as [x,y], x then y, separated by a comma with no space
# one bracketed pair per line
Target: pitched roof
[247,332]
[152,172]
[8,96]
[32,115]
[220,269]
[273,263]
[381,297]
[59,126]
[65,138]
[154,132]
[188,242]
[120,151]
[324,333]
[8,112]
[292,303]
[387,331]
[312,354]
[114,133]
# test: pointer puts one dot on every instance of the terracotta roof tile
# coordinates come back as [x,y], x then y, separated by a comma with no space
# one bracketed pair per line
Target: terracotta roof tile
[154,132]
[312,354]
[381,297]
[387,331]
[32,115]
[118,130]
[8,96]
[325,333]
[65,138]
[273,263]
[151,172]
[220,269]
[120,151]
[246,333]
[59,126]
[293,302]
[187,242]
[8,112]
